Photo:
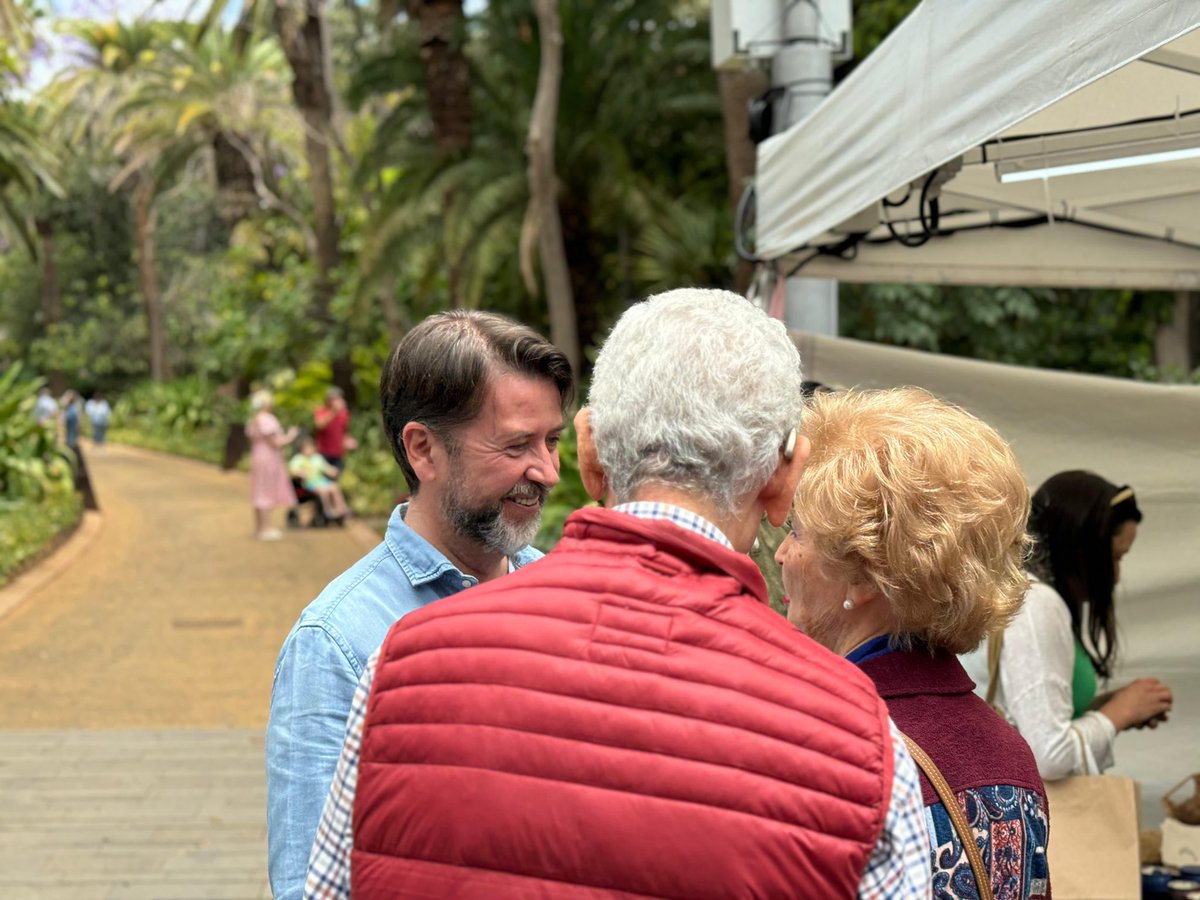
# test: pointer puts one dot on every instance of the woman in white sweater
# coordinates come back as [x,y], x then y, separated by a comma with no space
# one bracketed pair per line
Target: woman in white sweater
[1065,636]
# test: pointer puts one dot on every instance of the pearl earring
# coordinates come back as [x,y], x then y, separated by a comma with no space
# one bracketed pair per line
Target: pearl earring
[848,604]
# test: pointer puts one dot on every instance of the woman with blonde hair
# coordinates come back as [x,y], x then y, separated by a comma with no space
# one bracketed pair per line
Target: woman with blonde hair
[906,548]
[270,485]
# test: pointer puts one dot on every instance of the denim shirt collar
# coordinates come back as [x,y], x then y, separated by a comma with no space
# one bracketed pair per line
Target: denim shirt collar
[423,563]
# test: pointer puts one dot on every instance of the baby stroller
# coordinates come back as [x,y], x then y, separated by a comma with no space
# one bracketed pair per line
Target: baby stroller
[305,497]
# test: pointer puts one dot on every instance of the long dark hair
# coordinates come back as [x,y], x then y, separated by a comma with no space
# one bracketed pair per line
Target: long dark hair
[1073,518]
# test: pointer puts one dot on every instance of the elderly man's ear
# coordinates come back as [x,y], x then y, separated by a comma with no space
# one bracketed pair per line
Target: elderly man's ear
[779,492]
[595,482]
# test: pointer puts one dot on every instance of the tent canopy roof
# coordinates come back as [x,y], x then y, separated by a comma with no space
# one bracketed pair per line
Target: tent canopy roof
[962,93]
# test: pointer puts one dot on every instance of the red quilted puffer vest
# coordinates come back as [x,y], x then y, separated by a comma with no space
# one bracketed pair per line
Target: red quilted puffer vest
[624,717]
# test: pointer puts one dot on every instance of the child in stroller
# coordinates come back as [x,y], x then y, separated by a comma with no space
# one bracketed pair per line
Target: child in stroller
[312,476]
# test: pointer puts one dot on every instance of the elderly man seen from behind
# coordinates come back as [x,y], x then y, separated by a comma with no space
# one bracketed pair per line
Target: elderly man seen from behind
[627,716]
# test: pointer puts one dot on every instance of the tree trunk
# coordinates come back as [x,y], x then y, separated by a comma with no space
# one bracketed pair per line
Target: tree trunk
[447,76]
[302,35]
[542,219]
[448,82]
[51,301]
[236,195]
[594,304]
[1177,344]
[737,88]
[144,220]
[236,443]
[320,174]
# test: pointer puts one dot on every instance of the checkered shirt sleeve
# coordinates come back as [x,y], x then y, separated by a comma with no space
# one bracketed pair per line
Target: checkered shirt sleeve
[329,862]
[899,866]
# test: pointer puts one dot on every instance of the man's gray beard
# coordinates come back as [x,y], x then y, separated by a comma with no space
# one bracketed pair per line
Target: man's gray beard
[486,526]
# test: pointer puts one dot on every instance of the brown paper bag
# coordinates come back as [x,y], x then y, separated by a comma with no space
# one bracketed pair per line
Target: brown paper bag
[1094,838]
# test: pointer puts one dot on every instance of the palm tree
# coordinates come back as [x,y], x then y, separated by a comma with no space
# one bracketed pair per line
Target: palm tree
[224,98]
[638,122]
[112,60]
[303,31]
[447,74]
[28,168]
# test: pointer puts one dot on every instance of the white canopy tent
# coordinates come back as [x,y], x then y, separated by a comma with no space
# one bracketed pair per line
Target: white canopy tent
[897,175]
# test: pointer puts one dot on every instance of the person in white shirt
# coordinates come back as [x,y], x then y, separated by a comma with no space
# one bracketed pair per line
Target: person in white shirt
[1065,637]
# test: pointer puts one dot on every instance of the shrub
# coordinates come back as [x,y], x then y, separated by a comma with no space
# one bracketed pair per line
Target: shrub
[27,527]
[185,416]
[372,480]
[31,463]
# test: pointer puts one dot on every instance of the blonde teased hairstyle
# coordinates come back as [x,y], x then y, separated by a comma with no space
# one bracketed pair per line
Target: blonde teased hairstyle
[925,502]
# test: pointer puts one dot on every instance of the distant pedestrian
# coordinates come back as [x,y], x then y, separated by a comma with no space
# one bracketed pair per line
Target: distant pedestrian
[99,413]
[45,410]
[71,415]
[331,422]
[316,474]
[270,486]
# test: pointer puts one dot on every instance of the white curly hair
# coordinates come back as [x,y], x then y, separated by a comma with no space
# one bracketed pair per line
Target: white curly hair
[695,389]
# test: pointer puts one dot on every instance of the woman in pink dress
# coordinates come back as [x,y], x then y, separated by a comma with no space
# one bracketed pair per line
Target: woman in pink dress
[270,485]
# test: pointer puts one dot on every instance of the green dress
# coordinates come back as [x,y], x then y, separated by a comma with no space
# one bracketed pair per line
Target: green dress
[1083,682]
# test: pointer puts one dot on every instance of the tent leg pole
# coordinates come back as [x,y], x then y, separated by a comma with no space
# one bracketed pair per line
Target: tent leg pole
[803,69]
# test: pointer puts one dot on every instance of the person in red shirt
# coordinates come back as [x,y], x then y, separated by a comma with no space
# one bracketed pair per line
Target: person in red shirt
[331,422]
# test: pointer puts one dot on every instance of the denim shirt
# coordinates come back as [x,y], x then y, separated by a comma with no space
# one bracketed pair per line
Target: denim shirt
[316,674]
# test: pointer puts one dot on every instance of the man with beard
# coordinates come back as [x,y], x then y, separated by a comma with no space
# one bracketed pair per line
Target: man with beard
[628,717]
[473,407]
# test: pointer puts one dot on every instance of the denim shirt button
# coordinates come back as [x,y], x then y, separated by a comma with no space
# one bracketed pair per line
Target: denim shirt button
[466,582]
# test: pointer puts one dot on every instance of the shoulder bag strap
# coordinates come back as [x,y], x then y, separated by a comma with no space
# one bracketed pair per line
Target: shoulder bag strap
[994,647]
[983,883]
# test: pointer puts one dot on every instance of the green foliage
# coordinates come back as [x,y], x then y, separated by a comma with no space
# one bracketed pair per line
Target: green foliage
[1166,375]
[566,497]
[28,527]
[684,244]
[873,22]
[28,167]
[638,125]
[31,464]
[642,193]
[763,553]
[297,393]
[190,417]
[261,320]
[1103,332]
[372,480]
[182,405]
[186,416]
[100,336]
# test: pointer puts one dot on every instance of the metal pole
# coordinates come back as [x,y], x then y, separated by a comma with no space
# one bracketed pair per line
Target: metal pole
[803,69]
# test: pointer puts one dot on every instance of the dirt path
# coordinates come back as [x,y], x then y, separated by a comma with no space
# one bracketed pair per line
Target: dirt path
[174,615]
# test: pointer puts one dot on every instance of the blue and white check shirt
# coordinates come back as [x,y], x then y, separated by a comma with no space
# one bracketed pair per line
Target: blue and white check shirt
[898,868]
